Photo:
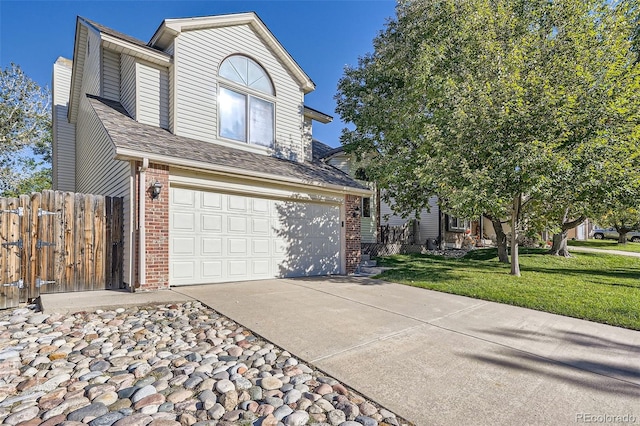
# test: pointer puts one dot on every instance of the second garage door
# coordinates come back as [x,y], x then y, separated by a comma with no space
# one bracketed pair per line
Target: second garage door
[217,237]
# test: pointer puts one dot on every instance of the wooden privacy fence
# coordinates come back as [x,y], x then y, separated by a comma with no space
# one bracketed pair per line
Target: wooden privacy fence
[56,241]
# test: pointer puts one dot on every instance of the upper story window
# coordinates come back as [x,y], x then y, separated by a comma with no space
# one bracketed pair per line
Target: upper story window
[246,108]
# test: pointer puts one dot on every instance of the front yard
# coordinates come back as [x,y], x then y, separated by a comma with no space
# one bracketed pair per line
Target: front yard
[606,245]
[592,286]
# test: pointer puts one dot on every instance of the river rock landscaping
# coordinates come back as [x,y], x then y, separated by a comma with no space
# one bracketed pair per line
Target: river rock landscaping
[178,364]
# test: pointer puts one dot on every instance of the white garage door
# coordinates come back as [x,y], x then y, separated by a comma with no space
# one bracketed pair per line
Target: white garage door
[218,237]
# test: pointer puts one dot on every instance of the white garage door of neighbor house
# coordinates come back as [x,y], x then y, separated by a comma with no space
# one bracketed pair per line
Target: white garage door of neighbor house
[216,237]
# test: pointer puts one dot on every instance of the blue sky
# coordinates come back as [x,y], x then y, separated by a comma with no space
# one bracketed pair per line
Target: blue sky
[322,36]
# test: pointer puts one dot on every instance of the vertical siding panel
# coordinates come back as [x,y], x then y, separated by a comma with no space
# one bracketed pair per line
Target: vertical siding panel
[110,74]
[128,84]
[64,133]
[153,95]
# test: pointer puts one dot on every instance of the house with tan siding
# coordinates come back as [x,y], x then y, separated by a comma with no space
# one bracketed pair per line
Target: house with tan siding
[204,133]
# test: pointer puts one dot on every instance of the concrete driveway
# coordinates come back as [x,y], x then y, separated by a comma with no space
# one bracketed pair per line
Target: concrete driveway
[441,359]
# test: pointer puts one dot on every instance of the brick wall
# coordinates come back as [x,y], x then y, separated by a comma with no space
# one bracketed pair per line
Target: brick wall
[156,230]
[352,225]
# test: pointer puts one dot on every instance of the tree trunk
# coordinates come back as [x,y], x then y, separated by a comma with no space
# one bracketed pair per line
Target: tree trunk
[501,240]
[622,237]
[441,224]
[559,247]
[515,214]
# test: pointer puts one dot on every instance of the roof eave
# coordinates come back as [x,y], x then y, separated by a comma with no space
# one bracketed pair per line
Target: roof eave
[123,46]
[78,59]
[132,155]
[316,115]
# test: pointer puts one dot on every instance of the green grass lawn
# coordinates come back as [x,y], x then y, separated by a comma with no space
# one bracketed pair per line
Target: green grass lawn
[606,245]
[593,286]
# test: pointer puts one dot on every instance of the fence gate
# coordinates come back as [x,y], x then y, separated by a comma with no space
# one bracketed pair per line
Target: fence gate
[54,242]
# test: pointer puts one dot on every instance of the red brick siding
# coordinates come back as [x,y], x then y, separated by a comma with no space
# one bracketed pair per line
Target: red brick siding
[352,225]
[156,230]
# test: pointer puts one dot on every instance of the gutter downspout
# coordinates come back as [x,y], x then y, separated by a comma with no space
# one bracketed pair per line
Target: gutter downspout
[142,246]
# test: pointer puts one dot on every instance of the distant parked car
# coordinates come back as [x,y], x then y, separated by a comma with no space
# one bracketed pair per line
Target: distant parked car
[611,233]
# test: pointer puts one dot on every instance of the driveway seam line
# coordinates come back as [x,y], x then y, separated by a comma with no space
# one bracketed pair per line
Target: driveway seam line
[379,339]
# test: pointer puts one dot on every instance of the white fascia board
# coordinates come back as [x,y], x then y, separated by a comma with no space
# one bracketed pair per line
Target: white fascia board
[130,49]
[126,154]
[76,75]
[316,115]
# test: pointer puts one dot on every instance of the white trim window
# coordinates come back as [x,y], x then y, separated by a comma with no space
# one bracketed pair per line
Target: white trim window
[366,207]
[246,104]
[455,224]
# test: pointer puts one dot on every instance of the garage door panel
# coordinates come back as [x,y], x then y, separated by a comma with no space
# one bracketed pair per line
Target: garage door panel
[211,246]
[237,268]
[237,246]
[217,237]
[211,201]
[237,203]
[183,270]
[183,197]
[184,246]
[260,225]
[260,205]
[211,270]
[260,247]
[211,223]
[237,224]
[184,221]
[260,268]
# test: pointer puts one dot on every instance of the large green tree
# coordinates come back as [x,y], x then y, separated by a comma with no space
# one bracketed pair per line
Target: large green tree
[484,102]
[25,133]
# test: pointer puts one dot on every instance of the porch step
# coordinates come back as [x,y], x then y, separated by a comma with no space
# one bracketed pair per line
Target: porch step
[368,271]
[368,263]
[364,257]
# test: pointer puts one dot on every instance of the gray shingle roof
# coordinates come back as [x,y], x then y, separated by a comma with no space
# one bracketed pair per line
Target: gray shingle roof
[117,34]
[127,134]
[321,150]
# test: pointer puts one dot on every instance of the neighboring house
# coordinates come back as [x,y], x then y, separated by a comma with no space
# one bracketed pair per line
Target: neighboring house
[204,133]
[376,214]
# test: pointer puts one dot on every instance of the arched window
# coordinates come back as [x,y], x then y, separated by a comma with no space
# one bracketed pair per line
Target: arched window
[246,112]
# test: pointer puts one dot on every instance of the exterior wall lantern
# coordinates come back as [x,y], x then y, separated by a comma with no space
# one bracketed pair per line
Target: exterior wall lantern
[156,188]
[356,212]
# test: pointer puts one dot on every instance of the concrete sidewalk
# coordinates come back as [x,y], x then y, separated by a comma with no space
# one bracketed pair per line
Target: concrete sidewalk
[65,303]
[441,359]
[596,250]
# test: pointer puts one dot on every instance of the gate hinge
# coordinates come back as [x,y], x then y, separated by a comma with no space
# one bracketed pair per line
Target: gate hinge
[13,243]
[19,284]
[40,283]
[41,244]
[46,213]
[19,211]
